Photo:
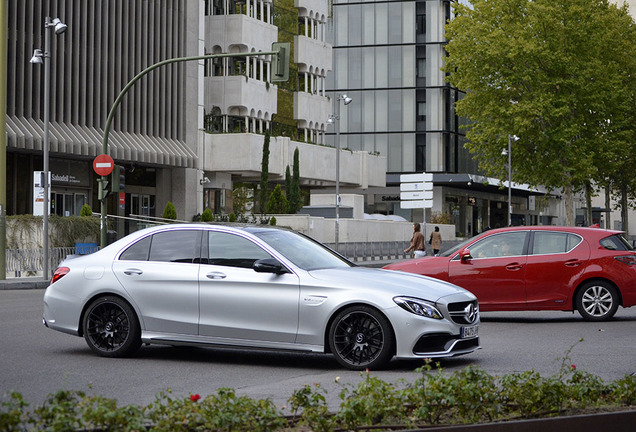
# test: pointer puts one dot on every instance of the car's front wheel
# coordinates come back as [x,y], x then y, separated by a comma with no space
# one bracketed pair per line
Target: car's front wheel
[597,301]
[361,338]
[111,328]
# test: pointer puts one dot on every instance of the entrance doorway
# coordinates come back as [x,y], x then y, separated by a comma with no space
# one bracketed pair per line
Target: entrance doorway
[67,204]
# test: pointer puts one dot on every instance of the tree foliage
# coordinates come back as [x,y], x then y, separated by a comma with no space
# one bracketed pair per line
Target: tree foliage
[555,73]
[293,194]
[263,193]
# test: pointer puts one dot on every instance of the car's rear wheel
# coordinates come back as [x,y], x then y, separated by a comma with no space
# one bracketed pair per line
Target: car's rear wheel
[361,338]
[597,301]
[111,328]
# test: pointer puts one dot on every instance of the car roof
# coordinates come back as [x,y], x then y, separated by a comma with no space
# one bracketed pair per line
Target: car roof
[583,231]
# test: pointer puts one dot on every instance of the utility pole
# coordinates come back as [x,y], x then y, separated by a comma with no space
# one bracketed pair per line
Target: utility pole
[3,139]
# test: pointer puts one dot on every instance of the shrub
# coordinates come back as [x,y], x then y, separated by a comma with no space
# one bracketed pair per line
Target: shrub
[170,212]
[207,216]
[441,218]
[468,395]
[86,210]
[232,217]
[277,202]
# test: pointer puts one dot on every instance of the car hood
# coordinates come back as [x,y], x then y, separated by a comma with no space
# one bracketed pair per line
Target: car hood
[398,283]
[417,262]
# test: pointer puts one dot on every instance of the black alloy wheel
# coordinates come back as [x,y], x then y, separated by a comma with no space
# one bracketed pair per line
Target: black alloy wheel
[111,328]
[597,301]
[361,338]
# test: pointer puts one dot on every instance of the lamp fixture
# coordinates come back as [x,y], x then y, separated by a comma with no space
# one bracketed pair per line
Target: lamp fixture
[204,180]
[58,26]
[38,56]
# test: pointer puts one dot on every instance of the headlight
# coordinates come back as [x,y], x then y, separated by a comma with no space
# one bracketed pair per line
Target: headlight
[418,307]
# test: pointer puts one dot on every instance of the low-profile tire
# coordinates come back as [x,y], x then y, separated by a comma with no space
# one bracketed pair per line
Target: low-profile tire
[361,338]
[111,328]
[597,301]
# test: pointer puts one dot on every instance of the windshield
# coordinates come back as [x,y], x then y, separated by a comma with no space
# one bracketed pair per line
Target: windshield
[454,249]
[303,251]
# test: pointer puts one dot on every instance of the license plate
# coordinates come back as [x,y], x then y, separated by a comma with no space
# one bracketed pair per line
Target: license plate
[468,332]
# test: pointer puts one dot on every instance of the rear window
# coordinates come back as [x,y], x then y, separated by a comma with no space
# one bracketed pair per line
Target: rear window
[616,242]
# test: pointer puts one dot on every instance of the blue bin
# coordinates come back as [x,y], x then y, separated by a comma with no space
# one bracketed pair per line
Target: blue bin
[85,248]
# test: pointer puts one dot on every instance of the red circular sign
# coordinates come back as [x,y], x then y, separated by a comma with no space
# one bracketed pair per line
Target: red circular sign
[103,165]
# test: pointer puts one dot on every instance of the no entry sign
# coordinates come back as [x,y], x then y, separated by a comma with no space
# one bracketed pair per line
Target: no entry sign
[103,165]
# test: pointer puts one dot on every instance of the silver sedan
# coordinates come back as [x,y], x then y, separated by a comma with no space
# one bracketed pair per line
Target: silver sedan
[257,287]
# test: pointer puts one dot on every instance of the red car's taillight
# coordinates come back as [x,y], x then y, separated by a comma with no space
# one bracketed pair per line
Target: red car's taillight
[59,273]
[626,259]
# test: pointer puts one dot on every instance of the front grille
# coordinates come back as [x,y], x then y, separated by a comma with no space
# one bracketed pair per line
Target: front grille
[464,313]
[442,342]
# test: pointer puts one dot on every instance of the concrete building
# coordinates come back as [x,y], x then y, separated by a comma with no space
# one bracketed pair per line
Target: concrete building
[186,132]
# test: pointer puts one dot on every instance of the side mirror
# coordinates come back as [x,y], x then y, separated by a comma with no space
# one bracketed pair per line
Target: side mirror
[464,255]
[269,265]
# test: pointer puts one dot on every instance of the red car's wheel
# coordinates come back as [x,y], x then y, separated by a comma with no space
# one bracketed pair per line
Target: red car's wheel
[597,301]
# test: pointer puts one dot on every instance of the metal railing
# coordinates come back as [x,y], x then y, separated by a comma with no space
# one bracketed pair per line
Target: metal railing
[29,262]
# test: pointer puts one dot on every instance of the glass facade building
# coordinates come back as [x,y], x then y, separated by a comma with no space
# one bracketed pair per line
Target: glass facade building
[388,56]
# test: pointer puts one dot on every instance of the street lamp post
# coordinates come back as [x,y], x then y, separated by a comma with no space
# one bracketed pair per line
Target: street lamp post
[509,180]
[45,57]
[336,119]
[508,152]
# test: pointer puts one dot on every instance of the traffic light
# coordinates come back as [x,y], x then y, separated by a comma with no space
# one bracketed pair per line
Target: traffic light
[280,61]
[118,179]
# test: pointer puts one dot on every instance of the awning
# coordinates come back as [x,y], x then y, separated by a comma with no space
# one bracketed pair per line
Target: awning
[27,134]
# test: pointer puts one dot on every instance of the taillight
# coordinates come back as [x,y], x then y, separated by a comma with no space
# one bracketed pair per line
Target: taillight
[626,259]
[59,273]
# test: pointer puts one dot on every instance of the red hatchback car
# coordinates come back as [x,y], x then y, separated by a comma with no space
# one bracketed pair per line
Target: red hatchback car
[540,268]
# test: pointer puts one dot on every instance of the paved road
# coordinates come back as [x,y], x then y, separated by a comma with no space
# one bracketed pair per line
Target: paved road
[37,361]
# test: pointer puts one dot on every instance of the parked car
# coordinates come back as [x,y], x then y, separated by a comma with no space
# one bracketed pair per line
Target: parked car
[259,287]
[589,270]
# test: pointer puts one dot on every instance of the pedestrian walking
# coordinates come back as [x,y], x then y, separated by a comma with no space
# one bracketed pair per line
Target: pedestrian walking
[418,245]
[435,241]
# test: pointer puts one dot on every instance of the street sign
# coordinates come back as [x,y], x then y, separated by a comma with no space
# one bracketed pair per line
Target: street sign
[416,191]
[103,165]
[416,178]
[407,187]
[416,204]
[419,195]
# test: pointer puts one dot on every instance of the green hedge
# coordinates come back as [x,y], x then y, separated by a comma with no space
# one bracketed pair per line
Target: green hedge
[465,396]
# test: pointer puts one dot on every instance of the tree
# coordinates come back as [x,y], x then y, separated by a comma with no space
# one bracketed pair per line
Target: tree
[288,187]
[264,173]
[295,202]
[277,203]
[548,71]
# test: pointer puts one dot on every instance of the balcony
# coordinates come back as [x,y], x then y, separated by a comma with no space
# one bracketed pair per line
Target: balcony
[312,53]
[228,31]
[237,91]
[241,155]
[311,108]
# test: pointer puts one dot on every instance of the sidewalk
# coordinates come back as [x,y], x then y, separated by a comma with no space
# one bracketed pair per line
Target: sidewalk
[24,283]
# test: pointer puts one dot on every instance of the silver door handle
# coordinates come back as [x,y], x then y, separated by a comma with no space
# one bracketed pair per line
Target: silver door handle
[131,272]
[216,275]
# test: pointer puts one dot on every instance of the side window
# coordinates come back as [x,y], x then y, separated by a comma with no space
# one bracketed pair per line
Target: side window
[551,242]
[232,250]
[137,251]
[548,242]
[175,246]
[499,245]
